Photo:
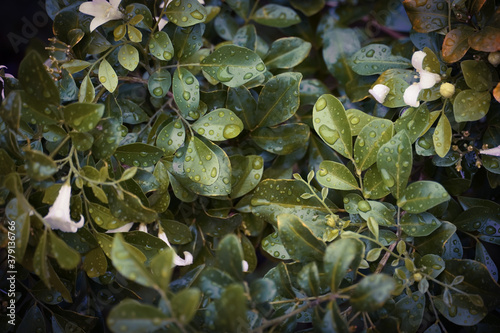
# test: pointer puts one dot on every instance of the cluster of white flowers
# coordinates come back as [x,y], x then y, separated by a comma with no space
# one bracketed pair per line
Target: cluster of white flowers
[426,80]
[59,216]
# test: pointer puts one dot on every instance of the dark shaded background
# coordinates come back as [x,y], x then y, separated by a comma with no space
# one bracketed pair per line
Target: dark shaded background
[22,23]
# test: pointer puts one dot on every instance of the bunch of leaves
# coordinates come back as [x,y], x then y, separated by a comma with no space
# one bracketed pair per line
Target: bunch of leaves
[302,210]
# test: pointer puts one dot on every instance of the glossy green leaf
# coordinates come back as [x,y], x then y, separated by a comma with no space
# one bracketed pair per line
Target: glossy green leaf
[337,176]
[75,65]
[128,264]
[40,263]
[107,76]
[233,65]
[160,46]
[162,267]
[36,81]
[372,292]
[241,7]
[128,56]
[138,154]
[414,121]
[394,161]
[229,256]
[276,16]
[66,256]
[281,277]
[106,140]
[373,184]
[463,311]
[247,172]
[159,83]
[410,310]
[185,303]
[231,309]
[38,165]
[130,112]
[479,219]
[491,163]
[357,120]
[308,279]
[13,212]
[186,90]
[435,242]
[339,45]
[137,9]
[243,104]
[130,208]
[375,59]
[311,90]
[225,26]
[331,123]
[188,40]
[381,212]
[397,80]
[95,263]
[484,257]
[278,100]
[419,225]
[219,125]
[103,217]
[83,117]
[185,13]
[429,17]
[32,321]
[11,110]
[262,290]
[442,136]
[86,93]
[332,320]
[287,52]
[431,264]
[471,105]
[136,317]
[375,134]
[341,256]
[310,7]
[299,241]
[422,195]
[272,244]
[283,139]
[200,162]
[477,75]
[246,36]
[171,137]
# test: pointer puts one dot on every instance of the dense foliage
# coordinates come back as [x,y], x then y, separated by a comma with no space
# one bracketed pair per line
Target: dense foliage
[254,181]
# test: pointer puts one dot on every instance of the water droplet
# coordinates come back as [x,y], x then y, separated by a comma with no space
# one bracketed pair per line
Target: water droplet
[197,15]
[158,91]
[320,104]
[370,53]
[260,67]
[388,179]
[231,131]
[248,76]
[102,79]
[354,120]
[186,95]
[257,163]
[329,135]
[189,80]
[364,206]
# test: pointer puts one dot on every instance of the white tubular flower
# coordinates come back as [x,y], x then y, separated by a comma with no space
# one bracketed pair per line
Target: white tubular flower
[244,263]
[59,214]
[428,79]
[178,261]
[143,227]
[411,95]
[1,80]
[417,59]
[102,11]
[123,228]
[493,151]
[379,92]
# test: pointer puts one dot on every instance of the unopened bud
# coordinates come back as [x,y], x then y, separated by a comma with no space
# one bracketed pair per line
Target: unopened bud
[447,90]
[494,58]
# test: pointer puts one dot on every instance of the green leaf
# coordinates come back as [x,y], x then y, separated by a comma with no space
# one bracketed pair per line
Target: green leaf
[276,16]
[107,76]
[272,244]
[159,83]
[75,65]
[341,256]
[129,208]
[397,80]
[138,154]
[186,90]
[330,122]
[332,320]
[373,184]
[414,121]
[491,163]
[233,65]
[103,217]
[83,117]
[310,7]
[299,241]
[128,264]
[160,46]
[33,321]
[128,56]
[311,90]
[308,279]
[394,161]
[429,17]
[38,165]
[463,311]
[382,213]
[419,225]
[171,137]
[422,195]
[229,256]
[106,140]
[486,39]
[262,290]
[200,162]
[477,75]
[337,176]
[136,317]
[95,263]
[188,41]
[40,263]
[410,310]
[36,81]
[287,52]
[185,303]
[357,120]
[86,93]
[435,242]
[11,110]
[185,13]
[278,100]
[339,45]
[246,36]
[162,267]
[66,256]
[442,136]
[431,264]
[246,173]
[370,139]
[283,139]
[219,125]
[375,59]
[281,278]
[177,233]
[241,7]
[471,105]
[479,219]
[241,101]
[456,43]
[372,292]
[137,9]
[231,309]
[484,257]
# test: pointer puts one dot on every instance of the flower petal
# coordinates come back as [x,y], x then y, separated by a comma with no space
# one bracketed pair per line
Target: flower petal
[379,92]
[178,261]
[244,263]
[428,79]
[411,95]
[493,151]
[97,21]
[143,227]
[123,228]
[417,60]
[115,3]
[95,8]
